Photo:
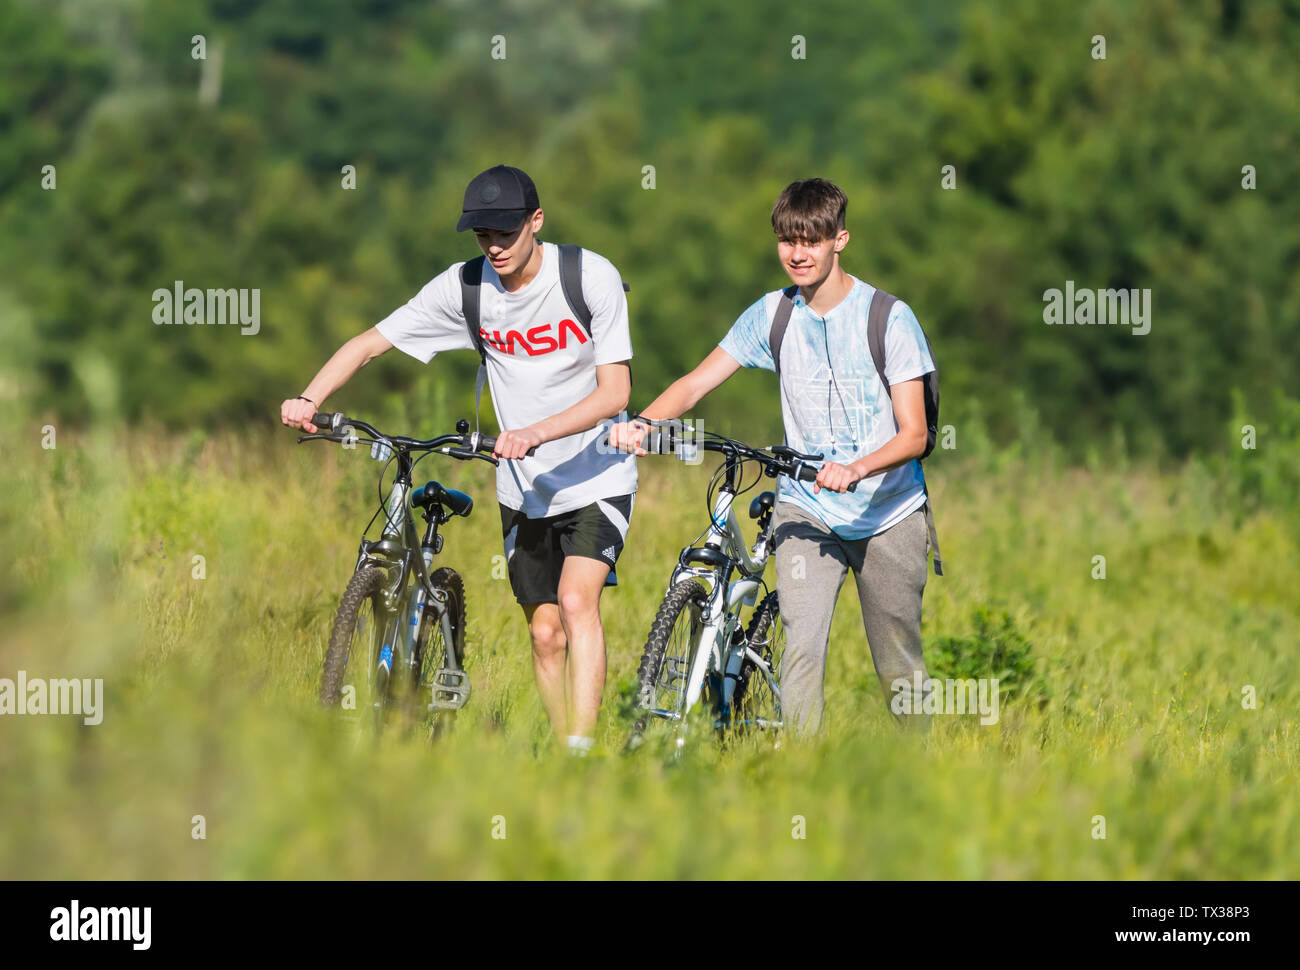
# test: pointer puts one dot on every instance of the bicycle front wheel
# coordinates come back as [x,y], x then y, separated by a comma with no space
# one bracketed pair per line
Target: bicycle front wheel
[351,676]
[669,651]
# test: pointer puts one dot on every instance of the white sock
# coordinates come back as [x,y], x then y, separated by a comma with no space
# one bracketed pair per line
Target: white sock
[578,745]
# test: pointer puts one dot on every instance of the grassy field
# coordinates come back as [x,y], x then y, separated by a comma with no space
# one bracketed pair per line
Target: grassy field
[1130,703]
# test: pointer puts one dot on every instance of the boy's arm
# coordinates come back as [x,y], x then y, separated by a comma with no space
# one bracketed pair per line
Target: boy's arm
[682,395]
[908,356]
[613,385]
[338,370]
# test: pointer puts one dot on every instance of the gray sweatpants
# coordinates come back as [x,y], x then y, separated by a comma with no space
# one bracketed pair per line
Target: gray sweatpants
[890,571]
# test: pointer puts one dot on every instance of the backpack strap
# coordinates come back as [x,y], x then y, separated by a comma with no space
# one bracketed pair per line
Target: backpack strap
[877,321]
[933,535]
[571,283]
[781,320]
[471,279]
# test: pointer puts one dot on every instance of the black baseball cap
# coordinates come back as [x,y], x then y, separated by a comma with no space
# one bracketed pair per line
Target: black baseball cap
[498,199]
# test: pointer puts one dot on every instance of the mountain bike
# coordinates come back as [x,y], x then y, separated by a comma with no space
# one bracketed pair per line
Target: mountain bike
[400,627]
[698,650]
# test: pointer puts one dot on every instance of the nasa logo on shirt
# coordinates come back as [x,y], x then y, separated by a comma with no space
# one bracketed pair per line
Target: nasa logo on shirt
[539,337]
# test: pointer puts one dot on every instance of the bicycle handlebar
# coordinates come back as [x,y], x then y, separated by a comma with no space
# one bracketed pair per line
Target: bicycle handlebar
[785,451]
[464,445]
[776,459]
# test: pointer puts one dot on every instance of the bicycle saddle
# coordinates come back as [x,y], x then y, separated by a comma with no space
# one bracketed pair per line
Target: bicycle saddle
[435,493]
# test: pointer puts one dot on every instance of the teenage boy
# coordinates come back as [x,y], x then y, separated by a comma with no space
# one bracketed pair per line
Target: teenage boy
[834,403]
[565,509]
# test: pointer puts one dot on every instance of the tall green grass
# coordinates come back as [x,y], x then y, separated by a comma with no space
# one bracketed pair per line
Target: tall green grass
[1131,706]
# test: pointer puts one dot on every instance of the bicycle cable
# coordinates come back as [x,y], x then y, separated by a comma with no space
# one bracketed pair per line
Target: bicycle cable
[719,475]
[383,502]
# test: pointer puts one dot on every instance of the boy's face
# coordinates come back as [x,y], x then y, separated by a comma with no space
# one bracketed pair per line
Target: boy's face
[510,250]
[808,263]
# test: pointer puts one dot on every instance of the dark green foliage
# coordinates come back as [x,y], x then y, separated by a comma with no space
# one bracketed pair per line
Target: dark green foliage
[1262,460]
[994,649]
[1123,172]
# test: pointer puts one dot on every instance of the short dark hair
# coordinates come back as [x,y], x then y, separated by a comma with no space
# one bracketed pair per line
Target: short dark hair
[811,209]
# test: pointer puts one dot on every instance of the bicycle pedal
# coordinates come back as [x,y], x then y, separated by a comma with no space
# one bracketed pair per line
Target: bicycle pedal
[450,689]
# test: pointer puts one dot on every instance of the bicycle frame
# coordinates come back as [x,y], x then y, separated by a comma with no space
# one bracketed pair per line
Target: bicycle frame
[405,611]
[726,594]
[717,643]
[723,554]
[400,549]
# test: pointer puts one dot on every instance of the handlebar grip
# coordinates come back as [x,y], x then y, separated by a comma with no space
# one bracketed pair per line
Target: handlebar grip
[646,443]
[324,419]
[808,474]
[487,444]
[466,454]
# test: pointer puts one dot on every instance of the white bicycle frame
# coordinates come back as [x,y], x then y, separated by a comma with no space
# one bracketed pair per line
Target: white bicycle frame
[713,650]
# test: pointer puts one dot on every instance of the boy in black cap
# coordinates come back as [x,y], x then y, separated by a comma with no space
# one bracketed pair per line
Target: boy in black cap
[550,324]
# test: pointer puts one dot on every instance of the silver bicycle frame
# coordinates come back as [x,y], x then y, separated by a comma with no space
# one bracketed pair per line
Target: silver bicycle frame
[713,645]
[399,522]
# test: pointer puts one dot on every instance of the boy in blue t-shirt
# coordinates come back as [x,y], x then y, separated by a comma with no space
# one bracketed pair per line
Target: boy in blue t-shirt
[833,403]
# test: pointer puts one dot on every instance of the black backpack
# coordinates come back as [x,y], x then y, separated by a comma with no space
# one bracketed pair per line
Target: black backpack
[877,319]
[471,279]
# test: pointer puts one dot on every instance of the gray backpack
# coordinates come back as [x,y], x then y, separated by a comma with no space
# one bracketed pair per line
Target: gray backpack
[877,319]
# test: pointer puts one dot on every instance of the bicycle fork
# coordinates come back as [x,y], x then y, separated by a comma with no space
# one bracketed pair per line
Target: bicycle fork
[718,648]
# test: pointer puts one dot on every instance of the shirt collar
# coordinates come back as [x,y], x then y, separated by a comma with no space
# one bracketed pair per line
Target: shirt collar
[852,294]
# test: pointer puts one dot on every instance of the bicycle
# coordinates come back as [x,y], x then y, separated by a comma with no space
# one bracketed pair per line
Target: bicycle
[697,648]
[397,610]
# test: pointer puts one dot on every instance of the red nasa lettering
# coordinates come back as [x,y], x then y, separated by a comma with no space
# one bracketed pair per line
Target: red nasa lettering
[539,340]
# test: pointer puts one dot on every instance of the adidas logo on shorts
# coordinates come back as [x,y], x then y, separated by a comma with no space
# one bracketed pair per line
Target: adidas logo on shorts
[609,553]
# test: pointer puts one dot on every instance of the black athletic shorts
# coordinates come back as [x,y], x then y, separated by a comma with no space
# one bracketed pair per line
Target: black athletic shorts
[536,548]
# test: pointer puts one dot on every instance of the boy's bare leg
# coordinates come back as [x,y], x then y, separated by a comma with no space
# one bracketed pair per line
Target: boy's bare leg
[549,652]
[581,582]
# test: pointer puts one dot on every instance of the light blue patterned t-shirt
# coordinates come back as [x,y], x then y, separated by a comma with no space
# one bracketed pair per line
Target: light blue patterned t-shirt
[834,403]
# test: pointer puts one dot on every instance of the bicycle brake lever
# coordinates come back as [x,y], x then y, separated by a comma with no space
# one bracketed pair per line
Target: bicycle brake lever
[464,453]
[785,451]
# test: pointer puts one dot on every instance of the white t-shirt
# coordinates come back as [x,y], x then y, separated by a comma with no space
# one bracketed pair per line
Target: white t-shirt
[540,362]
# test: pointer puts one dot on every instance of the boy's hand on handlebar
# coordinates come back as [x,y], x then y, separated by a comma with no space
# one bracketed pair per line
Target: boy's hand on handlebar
[627,436]
[516,444]
[835,477]
[297,413]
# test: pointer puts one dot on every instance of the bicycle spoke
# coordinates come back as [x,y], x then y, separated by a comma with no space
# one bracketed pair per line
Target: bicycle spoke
[670,688]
